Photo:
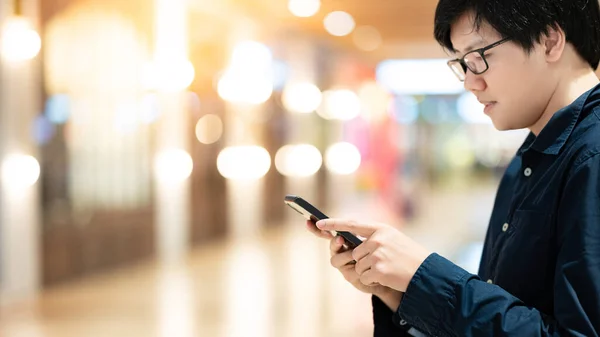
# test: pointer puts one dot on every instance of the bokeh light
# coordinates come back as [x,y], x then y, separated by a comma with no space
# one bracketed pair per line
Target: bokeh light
[209,129]
[249,77]
[301,160]
[20,171]
[173,165]
[367,38]
[304,8]
[339,104]
[301,97]
[168,76]
[43,130]
[342,158]
[20,41]
[459,151]
[375,101]
[405,109]
[339,23]
[58,109]
[248,162]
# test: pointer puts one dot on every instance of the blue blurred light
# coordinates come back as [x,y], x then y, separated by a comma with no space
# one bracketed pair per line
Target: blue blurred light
[43,130]
[281,73]
[58,109]
[405,109]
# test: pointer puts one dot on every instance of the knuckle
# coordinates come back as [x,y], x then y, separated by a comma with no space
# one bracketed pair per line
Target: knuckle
[377,240]
[378,268]
[376,256]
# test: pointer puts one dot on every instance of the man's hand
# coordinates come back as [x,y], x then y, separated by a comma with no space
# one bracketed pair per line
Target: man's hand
[387,257]
[341,259]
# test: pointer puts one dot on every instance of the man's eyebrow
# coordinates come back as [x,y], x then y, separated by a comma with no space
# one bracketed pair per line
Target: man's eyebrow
[472,46]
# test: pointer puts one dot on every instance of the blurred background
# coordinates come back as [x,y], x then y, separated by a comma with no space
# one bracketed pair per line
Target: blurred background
[146,147]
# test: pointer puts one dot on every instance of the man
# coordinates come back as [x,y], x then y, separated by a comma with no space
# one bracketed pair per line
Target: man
[531,63]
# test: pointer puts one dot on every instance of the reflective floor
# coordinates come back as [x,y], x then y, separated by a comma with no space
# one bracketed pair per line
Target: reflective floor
[278,283]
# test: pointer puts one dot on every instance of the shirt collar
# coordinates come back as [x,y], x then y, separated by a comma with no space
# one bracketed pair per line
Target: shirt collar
[555,134]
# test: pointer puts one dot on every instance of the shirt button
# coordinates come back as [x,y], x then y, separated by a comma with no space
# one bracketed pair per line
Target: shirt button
[527,172]
[505,227]
[490,281]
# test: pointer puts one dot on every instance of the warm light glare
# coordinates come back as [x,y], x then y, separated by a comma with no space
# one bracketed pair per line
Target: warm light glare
[20,171]
[339,104]
[342,158]
[169,76]
[375,101]
[301,97]
[244,162]
[173,165]
[251,54]
[243,89]
[209,129]
[366,38]
[20,41]
[149,109]
[304,8]
[339,23]
[249,77]
[301,160]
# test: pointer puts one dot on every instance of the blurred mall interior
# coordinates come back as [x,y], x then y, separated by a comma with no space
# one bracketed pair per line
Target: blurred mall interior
[146,147]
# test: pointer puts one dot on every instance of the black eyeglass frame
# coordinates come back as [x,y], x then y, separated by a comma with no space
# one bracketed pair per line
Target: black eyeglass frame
[480,51]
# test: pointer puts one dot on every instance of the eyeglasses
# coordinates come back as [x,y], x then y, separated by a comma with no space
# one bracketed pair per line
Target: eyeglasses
[474,61]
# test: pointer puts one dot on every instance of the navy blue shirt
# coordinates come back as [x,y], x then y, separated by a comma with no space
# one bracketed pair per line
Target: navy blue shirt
[540,267]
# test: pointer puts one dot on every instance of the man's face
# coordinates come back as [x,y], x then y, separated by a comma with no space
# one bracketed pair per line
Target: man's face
[517,86]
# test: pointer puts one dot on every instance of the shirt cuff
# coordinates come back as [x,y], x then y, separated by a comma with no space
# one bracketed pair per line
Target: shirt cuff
[430,297]
[383,320]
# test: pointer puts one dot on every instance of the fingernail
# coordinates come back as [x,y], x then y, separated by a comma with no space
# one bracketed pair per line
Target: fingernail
[320,223]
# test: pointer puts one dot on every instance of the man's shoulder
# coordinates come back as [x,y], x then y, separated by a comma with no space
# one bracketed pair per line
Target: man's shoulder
[585,139]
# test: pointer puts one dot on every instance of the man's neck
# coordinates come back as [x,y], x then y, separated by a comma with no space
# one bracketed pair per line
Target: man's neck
[566,92]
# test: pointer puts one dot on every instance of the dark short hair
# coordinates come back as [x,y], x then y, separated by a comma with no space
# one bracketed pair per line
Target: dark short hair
[525,21]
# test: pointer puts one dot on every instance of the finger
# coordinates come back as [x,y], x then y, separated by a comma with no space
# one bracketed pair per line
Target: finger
[313,229]
[349,274]
[340,225]
[368,278]
[363,265]
[342,259]
[362,251]
[336,245]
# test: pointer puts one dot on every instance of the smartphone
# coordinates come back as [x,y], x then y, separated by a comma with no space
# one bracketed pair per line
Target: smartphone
[310,212]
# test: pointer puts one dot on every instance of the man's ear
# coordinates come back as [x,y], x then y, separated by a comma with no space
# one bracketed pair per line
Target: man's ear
[554,43]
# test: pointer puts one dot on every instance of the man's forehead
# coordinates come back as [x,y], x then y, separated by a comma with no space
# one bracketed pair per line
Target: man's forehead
[466,35]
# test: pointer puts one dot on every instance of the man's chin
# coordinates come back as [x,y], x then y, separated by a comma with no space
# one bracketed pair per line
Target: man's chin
[501,125]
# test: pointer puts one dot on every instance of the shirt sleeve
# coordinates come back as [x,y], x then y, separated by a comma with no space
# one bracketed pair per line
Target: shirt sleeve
[442,299]
[384,325]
